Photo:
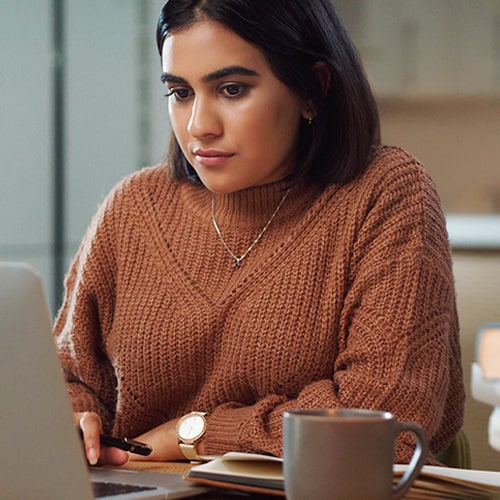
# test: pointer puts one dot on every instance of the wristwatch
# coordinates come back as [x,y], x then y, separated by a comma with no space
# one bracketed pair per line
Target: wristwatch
[190,429]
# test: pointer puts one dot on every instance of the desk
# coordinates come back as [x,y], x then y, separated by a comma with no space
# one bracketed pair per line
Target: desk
[425,488]
[183,468]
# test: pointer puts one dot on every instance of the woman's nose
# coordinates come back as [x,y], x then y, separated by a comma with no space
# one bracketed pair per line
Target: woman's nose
[204,120]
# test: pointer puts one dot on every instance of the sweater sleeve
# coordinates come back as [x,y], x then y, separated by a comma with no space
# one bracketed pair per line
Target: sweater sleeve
[398,347]
[87,312]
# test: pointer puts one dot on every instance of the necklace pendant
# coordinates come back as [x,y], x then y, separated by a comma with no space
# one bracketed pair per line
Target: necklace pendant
[237,260]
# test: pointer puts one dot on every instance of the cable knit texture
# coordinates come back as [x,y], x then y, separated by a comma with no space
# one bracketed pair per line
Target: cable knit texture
[347,301]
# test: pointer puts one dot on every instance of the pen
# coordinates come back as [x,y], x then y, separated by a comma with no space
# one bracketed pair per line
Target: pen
[124,444]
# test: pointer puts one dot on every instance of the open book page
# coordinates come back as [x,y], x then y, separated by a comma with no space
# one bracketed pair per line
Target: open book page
[264,474]
[243,471]
[452,483]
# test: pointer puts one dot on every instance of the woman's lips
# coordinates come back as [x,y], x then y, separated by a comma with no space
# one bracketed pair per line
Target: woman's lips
[211,157]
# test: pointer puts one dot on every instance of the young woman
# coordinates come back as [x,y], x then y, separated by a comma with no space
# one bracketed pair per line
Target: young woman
[280,258]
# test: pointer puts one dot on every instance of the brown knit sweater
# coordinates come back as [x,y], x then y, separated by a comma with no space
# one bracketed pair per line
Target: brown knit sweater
[346,301]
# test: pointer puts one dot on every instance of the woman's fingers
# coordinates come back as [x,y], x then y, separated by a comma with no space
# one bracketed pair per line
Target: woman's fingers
[113,456]
[90,424]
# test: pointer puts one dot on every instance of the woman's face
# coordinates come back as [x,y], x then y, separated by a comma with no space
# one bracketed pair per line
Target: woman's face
[235,122]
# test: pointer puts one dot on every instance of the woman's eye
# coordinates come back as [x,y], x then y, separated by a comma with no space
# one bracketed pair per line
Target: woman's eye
[233,90]
[179,93]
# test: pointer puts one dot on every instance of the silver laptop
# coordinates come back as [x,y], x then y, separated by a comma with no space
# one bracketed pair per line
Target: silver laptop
[40,452]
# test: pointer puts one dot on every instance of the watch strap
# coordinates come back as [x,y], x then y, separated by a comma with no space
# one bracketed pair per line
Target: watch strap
[189,451]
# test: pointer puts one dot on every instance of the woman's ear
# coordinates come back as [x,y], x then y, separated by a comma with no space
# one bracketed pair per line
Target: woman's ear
[322,71]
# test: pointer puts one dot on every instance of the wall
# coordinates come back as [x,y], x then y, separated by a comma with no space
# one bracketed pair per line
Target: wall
[427,47]
[457,139]
[25,134]
[114,111]
[477,277]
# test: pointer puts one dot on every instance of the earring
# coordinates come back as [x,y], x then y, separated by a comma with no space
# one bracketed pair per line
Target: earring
[309,121]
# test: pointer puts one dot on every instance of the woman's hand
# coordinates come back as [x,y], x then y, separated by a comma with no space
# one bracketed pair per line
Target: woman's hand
[163,440]
[91,426]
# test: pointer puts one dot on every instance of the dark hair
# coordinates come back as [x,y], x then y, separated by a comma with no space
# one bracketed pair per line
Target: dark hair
[294,35]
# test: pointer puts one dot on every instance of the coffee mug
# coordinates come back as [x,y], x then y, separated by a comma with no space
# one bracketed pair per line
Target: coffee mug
[346,454]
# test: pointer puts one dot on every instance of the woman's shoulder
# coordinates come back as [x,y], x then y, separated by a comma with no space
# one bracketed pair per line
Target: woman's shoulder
[145,178]
[394,180]
[394,168]
[392,160]
[135,190]
[147,181]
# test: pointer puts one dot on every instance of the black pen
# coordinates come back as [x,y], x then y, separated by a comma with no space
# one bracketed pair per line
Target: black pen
[124,444]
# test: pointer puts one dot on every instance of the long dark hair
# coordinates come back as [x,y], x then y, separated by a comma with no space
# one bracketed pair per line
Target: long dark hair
[294,35]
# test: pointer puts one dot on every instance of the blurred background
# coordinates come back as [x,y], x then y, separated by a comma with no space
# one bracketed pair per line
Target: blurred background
[81,105]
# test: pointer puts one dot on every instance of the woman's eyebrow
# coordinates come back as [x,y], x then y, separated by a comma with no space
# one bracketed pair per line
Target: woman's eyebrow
[215,75]
[229,71]
[167,77]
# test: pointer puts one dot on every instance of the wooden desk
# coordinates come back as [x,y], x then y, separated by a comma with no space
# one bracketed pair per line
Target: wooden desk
[175,467]
[183,468]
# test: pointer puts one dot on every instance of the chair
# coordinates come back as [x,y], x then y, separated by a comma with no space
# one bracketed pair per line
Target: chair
[457,454]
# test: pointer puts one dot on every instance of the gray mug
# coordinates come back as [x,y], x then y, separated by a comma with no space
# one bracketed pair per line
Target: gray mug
[346,454]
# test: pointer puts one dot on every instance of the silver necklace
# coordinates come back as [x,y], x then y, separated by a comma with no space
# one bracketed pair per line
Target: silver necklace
[237,260]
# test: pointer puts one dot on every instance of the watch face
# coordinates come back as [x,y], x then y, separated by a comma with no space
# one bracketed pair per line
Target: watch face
[192,427]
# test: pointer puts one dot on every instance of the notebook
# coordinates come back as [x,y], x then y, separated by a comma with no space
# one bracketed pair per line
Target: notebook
[40,450]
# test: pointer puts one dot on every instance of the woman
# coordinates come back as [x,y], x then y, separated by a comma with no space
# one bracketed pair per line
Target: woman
[281,258]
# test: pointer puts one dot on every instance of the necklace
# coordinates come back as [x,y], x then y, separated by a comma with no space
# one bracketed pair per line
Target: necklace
[237,260]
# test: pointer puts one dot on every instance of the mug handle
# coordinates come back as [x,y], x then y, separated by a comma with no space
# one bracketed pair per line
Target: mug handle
[417,460]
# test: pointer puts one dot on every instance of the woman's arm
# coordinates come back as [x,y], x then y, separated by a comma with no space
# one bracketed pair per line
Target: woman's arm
[87,312]
[397,342]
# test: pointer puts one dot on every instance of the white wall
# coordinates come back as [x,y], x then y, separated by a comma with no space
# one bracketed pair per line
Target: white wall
[25,133]
[106,92]
[116,116]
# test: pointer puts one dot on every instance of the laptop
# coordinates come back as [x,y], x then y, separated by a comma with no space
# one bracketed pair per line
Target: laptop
[41,453]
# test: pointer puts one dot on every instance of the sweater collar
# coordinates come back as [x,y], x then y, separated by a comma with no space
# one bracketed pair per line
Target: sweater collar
[250,207]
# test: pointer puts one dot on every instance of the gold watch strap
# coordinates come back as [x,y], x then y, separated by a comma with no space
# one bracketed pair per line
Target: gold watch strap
[189,451]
